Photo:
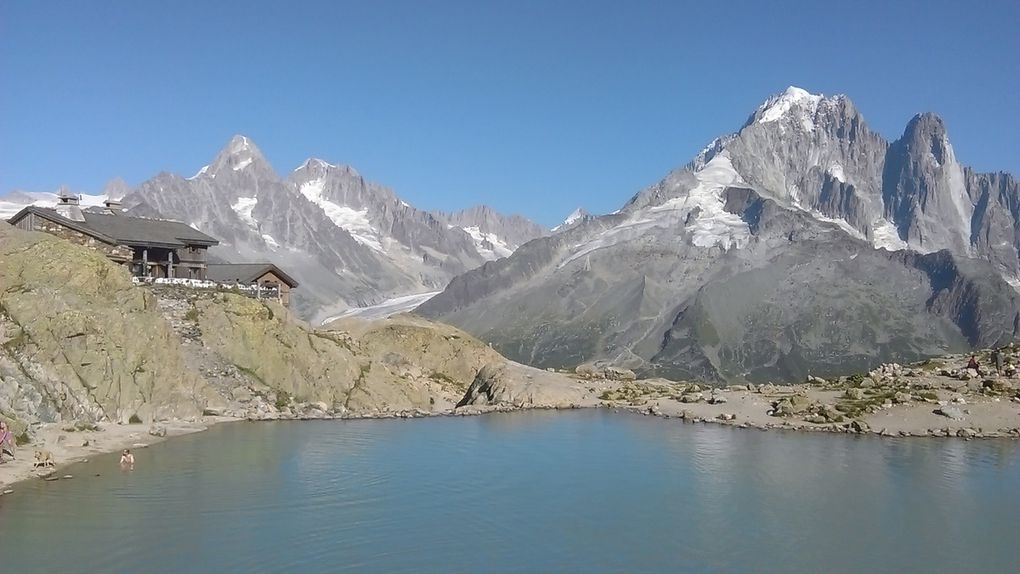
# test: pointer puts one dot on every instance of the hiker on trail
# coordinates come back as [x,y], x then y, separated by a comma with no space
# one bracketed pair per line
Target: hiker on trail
[973,364]
[6,441]
[997,359]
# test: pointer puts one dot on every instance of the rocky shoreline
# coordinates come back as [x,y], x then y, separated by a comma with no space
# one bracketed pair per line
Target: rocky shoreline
[933,398]
[930,399]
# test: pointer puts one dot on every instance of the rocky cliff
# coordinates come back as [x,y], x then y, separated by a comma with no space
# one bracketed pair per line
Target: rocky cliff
[80,342]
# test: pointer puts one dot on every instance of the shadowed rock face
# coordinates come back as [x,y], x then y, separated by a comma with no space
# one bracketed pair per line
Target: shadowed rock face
[804,243]
[925,190]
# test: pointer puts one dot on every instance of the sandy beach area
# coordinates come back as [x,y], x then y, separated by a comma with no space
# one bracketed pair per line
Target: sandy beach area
[72,446]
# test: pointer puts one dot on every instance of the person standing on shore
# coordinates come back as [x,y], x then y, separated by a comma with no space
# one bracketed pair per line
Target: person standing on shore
[997,359]
[6,441]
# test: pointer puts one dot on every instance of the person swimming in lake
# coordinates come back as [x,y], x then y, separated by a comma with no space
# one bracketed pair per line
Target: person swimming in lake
[126,458]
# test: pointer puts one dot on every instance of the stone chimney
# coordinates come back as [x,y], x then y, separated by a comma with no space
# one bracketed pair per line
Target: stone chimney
[67,206]
[112,207]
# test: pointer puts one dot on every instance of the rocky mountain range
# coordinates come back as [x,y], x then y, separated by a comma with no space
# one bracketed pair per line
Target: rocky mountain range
[348,241]
[803,243]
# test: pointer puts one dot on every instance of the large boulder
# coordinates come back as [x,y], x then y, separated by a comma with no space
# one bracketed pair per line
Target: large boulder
[951,412]
[505,383]
[854,393]
[602,371]
[620,374]
[793,405]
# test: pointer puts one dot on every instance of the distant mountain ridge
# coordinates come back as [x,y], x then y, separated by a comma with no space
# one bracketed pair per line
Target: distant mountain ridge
[803,243]
[348,241]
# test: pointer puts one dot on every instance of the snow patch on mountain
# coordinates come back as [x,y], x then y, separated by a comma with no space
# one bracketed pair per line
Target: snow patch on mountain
[793,98]
[483,240]
[239,144]
[836,171]
[22,199]
[574,216]
[243,164]
[701,210]
[840,223]
[243,208]
[885,236]
[351,220]
[201,172]
[308,162]
[712,224]
[270,241]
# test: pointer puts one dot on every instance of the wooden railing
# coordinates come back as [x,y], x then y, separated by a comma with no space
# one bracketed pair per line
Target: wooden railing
[253,291]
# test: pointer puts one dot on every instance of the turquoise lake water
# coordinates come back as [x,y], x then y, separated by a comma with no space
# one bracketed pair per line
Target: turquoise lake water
[577,491]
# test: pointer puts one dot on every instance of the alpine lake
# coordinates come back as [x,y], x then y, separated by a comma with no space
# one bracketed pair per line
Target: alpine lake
[538,491]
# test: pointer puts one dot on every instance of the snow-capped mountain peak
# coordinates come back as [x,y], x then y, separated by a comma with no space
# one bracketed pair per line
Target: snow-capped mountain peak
[795,105]
[316,163]
[239,144]
[116,189]
[575,217]
[768,255]
[778,106]
[240,155]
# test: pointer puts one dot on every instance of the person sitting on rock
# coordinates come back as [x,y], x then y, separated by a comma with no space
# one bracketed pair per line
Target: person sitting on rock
[126,458]
[973,364]
[6,441]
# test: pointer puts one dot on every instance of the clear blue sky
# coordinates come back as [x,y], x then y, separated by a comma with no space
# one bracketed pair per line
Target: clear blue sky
[533,107]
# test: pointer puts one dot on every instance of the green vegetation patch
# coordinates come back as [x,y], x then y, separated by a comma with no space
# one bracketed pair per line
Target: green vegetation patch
[283,399]
[872,401]
[636,394]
